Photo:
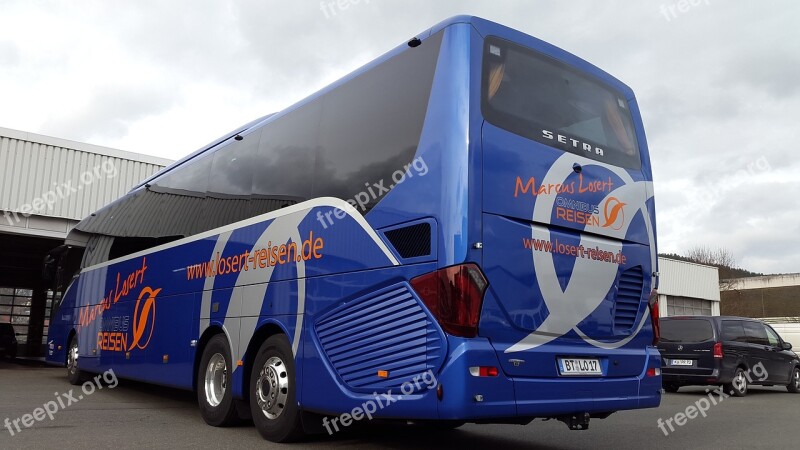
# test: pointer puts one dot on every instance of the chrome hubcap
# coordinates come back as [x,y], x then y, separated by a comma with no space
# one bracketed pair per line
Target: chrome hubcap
[272,388]
[797,379]
[216,379]
[72,359]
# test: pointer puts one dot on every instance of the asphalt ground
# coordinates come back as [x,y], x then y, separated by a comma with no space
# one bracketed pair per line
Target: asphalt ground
[137,415]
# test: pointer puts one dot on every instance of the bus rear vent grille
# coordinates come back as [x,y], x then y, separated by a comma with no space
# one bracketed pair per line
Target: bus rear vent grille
[629,297]
[411,241]
[386,331]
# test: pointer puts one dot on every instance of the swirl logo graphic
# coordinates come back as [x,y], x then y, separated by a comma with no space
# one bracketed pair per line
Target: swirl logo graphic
[614,214]
[591,279]
[144,318]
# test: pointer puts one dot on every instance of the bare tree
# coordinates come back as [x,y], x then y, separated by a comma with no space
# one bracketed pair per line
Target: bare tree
[721,258]
[711,256]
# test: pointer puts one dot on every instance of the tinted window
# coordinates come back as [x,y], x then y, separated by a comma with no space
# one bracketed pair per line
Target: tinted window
[756,334]
[686,330]
[772,336]
[231,181]
[733,331]
[232,167]
[191,177]
[371,126]
[545,100]
[284,167]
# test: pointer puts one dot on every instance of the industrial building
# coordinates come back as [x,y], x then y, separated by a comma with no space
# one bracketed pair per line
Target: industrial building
[47,185]
[687,289]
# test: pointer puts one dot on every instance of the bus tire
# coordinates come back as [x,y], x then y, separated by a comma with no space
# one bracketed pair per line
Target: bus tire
[273,392]
[214,392]
[75,375]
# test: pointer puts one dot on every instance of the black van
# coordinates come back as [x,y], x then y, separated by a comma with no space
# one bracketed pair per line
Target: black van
[730,351]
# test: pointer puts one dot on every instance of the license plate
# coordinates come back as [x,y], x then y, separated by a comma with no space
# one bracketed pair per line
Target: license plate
[681,362]
[579,366]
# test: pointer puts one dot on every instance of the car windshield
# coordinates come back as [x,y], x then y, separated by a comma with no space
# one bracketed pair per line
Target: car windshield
[686,330]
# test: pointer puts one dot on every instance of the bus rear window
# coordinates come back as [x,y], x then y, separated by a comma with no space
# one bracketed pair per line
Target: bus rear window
[545,100]
[686,330]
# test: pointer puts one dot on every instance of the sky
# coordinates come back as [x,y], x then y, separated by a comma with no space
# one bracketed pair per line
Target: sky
[717,82]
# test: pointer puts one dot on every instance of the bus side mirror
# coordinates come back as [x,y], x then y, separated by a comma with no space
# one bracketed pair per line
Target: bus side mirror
[787,346]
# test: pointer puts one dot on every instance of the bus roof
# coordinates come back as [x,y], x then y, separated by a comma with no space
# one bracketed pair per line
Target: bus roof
[482,26]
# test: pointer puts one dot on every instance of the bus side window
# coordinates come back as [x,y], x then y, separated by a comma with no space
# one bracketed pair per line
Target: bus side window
[283,168]
[371,126]
[228,196]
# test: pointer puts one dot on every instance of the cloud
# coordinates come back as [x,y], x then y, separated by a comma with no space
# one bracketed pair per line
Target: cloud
[110,110]
[717,85]
[9,54]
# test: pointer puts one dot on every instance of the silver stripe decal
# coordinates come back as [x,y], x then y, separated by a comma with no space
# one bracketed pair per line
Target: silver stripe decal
[590,279]
[286,227]
[205,304]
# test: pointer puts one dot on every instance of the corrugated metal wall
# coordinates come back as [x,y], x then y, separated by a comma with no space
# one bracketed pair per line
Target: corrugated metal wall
[64,179]
[685,279]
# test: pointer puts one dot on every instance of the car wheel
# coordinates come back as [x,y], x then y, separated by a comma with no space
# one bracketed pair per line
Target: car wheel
[738,386]
[671,388]
[273,392]
[794,384]
[75,375]
[214,393]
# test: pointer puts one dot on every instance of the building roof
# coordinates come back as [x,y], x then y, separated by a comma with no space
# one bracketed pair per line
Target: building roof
[57,178]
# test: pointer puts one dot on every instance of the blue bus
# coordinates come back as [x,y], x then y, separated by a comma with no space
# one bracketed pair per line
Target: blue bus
[461,231]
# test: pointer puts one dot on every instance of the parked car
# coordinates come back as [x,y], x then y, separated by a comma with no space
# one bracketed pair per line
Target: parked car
[735,352]
[8,341]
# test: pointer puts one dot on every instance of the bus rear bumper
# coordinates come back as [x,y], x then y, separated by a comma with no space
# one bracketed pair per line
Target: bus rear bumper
[468,397]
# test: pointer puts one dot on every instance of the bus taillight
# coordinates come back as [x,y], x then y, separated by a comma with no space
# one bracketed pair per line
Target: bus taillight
[454,295]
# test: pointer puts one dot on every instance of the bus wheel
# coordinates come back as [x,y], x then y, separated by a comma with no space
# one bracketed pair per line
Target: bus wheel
[75,375]
[214,394]
[273,392]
